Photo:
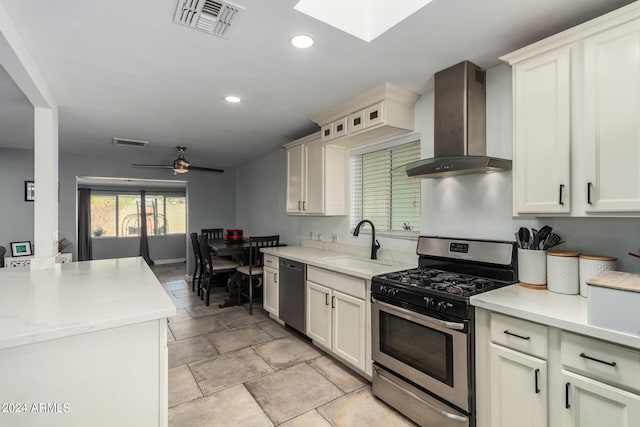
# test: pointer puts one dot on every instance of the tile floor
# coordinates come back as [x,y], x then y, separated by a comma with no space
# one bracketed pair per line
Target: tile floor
[227,368]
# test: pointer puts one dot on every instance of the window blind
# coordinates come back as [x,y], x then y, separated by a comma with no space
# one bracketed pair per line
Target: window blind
[390,200]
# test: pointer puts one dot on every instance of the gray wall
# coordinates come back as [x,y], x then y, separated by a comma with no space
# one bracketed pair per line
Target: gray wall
[16,215]
[210,199]
[477,206]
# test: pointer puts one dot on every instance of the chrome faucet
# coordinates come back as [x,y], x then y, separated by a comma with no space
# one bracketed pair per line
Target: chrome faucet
[375,245]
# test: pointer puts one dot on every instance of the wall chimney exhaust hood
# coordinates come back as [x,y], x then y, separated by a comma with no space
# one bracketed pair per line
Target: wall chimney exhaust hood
[460,127]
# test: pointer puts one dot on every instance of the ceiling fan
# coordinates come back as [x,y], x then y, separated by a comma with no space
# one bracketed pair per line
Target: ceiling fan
[180,165]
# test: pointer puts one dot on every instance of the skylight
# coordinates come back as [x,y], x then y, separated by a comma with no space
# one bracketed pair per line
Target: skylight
[365,19]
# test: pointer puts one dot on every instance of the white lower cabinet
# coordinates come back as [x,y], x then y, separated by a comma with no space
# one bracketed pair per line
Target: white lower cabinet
[336,316]
[271,288]
[270,294]
[518,389]
[591,403]
[585,382]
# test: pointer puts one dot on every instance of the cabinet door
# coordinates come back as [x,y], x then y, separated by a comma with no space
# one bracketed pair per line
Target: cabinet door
[295,178]
[319,314]
[590,403]
[518,389]
[541,148]
[348,339]
[315,170]
[612,112]
[271,288]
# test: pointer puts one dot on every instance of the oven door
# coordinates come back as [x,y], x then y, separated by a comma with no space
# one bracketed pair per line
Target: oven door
[430,352]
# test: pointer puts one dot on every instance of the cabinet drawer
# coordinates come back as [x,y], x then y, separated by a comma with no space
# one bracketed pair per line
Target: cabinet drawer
[520,335]
[339,128]
[373,115]
[349,285]
[326,132]
[356,121]
[601,360]
[271,261]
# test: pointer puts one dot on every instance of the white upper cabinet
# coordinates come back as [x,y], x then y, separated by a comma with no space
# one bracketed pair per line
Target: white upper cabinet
[612,119]
[316,178]
[576,104]
[379,113]
[542,112]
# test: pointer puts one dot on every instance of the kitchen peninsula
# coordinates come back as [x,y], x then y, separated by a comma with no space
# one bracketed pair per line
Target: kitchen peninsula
[84,344]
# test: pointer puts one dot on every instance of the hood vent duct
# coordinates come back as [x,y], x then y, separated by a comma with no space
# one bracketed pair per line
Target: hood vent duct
[459,126]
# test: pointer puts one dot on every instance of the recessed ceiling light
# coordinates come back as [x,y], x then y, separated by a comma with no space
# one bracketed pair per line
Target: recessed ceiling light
[232,98]
[302,41]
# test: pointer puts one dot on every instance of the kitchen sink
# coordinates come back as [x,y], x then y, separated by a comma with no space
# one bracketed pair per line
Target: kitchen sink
[345,261]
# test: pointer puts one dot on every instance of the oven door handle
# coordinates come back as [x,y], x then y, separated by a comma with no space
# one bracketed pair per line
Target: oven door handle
[450,325]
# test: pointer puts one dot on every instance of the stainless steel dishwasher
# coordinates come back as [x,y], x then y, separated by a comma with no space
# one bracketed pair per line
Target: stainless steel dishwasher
[292,302]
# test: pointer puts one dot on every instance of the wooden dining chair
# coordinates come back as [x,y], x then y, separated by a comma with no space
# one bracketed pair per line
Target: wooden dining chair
[211,267]
[213,233]
[199,266]
[252,272]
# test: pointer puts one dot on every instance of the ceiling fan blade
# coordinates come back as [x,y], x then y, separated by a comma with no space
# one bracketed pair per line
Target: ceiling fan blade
[152,166]
[198,168]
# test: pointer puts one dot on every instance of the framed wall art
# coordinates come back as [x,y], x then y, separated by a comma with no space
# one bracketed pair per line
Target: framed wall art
[21,249]
[29,191]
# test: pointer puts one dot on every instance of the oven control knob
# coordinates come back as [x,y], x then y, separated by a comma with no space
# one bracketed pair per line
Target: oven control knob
[384,289]
[442,306]
[429,302]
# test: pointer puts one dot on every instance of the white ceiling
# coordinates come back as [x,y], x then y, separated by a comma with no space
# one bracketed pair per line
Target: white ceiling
[123,68]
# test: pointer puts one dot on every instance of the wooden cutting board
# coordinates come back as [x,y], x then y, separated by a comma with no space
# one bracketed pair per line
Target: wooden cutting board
[617,280]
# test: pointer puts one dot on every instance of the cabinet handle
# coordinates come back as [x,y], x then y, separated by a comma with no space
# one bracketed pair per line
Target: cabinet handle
[333,301]
[560,201]
[567,405]
[537,373]
[357,121]
[613,364]
[373,115]
[299,205]
[516,335]
[327,132]
[275,277]
[589,192]
[326,299]
[304,205]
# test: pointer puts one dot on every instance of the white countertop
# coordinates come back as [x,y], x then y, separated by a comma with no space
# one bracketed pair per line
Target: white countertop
[76,298]
[569,312]
[317,257]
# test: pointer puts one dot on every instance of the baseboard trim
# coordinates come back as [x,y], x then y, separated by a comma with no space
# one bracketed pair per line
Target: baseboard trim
[169,261]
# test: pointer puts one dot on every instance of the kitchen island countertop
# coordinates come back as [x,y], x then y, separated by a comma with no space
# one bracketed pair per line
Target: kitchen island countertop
[77,298]
[568,312]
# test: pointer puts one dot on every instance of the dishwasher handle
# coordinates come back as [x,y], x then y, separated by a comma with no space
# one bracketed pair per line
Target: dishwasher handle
[286,264]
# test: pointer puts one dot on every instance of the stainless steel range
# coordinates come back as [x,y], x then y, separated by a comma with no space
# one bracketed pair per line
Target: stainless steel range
[423,333]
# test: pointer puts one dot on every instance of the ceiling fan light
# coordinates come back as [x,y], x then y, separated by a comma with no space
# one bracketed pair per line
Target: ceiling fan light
[180,165]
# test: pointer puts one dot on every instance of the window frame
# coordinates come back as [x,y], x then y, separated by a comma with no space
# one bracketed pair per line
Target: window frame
[150,194]
[388,146]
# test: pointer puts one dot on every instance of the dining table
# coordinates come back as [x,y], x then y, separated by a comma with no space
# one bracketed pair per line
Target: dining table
[233,249]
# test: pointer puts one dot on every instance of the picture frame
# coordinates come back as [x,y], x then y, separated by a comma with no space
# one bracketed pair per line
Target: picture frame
[29,191]
[19,249]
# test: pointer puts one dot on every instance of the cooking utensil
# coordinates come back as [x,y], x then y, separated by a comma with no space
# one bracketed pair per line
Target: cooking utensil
[516,234]
[542,235]
[634,255]
[524,235]
[552,240]
[535,241]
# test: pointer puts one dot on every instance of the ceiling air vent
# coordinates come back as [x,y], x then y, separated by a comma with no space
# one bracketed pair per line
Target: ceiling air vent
[214,17]
[129,142]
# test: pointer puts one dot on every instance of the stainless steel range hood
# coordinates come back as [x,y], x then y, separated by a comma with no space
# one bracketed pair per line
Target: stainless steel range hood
[460,126]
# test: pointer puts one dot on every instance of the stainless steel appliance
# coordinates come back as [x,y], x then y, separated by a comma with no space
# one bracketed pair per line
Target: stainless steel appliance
[291,293]
[423,333]
[460,126]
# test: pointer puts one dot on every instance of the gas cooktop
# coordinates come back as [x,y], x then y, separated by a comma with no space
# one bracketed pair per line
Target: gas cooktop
[441,281]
